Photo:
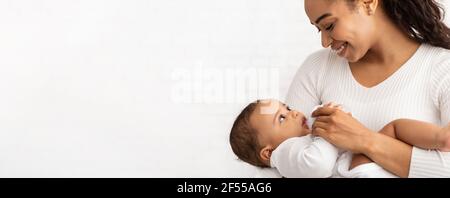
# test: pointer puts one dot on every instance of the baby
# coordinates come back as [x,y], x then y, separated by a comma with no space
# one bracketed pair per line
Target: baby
[281,138]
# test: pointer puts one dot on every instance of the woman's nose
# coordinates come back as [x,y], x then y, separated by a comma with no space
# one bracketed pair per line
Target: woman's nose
[326,39]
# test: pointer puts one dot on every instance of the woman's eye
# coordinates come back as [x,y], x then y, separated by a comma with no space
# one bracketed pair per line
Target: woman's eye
[330,27]
[282,118]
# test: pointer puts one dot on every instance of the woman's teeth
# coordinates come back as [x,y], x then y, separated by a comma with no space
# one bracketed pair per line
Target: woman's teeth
[341,49]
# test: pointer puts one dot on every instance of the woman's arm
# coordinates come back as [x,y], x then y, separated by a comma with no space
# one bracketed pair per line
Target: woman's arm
[342,130]
[380,149]
[432,163]
[401,159]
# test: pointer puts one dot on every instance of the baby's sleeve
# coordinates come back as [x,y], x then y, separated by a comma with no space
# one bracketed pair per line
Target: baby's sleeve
[305,157]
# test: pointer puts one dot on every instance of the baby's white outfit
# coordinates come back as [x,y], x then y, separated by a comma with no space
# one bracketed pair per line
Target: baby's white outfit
[313,157]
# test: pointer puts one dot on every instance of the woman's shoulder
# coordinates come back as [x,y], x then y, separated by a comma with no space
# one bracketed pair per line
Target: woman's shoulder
[434,62]
[319,56]
[439,55]
[319,60]
[440,69]
[320,53]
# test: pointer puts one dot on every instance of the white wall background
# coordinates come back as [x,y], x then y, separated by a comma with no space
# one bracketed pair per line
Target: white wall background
[86,86]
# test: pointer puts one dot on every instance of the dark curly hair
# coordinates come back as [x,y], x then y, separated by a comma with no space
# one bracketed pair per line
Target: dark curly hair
[419,19]
[244,138]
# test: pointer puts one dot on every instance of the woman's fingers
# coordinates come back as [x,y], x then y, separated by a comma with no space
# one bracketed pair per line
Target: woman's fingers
[328,104]
[333,105]
[320,132]
[321,125]
[324,111]
[325,119]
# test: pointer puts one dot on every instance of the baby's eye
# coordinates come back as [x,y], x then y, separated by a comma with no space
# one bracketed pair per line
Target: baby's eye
[282,118]
[288,108]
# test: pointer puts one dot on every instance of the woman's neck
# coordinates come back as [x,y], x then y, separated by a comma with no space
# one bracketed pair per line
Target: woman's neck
[393,46]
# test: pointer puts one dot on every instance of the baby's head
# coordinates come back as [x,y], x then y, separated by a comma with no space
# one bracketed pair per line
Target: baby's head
[261,127]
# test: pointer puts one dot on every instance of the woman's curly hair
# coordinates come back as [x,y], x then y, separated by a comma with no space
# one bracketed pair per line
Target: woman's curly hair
[422,20]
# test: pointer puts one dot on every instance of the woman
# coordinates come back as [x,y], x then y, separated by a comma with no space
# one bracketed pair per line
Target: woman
[389,59]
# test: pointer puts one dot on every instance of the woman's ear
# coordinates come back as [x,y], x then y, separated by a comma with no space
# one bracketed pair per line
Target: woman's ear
[265,153]
[370,6]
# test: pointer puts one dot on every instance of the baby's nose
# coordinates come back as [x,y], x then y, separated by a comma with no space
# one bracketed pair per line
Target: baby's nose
[294,114]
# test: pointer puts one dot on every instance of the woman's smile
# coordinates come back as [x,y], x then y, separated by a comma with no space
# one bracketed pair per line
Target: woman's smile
[341,50]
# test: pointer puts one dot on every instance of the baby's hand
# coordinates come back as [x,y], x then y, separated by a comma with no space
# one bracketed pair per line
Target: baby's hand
[334,105]
[337,106]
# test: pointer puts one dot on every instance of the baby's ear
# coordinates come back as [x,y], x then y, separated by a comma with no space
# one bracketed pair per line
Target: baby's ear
[265,153]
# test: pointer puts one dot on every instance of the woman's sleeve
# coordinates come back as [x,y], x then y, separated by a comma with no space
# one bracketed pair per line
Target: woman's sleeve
[433,163]
[303,94]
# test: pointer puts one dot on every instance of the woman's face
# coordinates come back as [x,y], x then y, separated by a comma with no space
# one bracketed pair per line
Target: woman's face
[346,28]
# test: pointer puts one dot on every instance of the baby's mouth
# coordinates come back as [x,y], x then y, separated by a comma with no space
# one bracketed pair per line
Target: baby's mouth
[304,123]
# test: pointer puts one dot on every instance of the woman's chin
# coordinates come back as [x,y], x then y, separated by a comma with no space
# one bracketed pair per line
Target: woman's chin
[352,59]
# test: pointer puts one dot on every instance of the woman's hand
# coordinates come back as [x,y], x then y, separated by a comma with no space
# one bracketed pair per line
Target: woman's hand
[341,129]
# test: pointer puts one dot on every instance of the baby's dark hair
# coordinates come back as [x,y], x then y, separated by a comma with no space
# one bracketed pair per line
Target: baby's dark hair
[244,137]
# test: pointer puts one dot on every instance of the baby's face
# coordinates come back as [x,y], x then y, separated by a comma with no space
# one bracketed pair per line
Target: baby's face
[279,124]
